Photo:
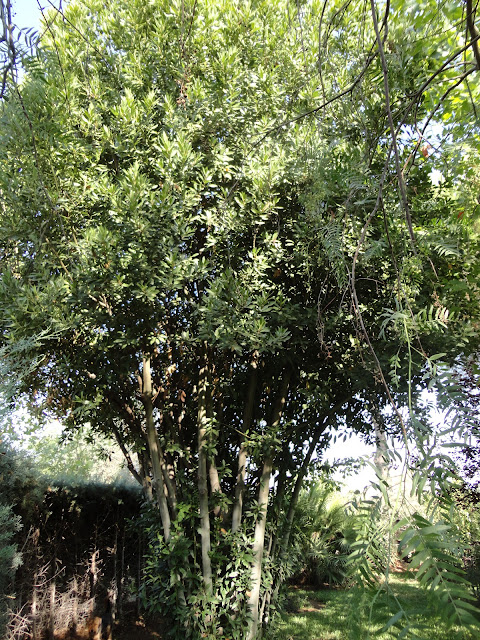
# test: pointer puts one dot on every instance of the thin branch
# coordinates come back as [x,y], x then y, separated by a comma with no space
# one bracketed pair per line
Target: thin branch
[299,18]
[472,101]
[7,37]
[411,157]
[320,47]
[356,303]
[400,178]
[58,10]
[289,121]
[444,66]
[191,21]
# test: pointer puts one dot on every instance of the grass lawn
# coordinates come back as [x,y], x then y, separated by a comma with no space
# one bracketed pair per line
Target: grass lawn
[349,615]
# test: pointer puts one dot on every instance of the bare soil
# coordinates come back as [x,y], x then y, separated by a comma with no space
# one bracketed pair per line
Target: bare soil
[313,605]
[132,627]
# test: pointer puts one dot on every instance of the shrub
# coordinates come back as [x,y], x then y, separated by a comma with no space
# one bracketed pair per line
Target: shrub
[10,559]
[322,528]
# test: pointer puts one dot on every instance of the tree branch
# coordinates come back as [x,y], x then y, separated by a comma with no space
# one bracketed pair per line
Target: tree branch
[126,455]
[473,31]
[400,178]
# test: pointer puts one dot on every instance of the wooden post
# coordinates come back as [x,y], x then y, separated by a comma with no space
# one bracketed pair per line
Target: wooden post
[139,573]
[51,613]
[74,603]
[122,577]
[35,608]
[93,573]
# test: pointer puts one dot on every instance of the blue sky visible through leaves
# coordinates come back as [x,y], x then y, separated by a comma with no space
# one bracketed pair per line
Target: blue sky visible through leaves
[27,14]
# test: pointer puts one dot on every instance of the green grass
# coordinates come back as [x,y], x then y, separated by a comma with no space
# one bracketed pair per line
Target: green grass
[350,615]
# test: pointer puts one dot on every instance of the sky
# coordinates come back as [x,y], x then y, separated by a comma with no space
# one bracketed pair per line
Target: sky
[27,13]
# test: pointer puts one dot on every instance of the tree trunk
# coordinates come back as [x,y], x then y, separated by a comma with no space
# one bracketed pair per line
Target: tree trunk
[51,621]
[215,487]
[169,482]
[121,582]
[273,594]
[259,537]
[296,492]
[258,545]
[154,448]
[242,455]
[144,465]
[202,475]
[126,454]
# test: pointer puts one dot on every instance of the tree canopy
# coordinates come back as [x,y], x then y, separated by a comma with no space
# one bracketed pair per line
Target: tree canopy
[220,232]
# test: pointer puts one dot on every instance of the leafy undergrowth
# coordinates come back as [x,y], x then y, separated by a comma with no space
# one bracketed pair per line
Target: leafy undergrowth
[349,615]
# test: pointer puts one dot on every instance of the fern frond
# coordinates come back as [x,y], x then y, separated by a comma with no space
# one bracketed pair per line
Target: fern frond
[331,238]
[435,553]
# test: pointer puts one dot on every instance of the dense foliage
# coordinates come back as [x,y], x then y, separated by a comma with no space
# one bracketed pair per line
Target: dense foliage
[210,251]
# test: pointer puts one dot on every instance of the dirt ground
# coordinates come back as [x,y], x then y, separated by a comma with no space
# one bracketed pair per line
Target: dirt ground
[132,627]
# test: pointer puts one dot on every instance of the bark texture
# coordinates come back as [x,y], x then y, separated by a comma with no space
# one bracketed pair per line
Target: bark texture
[202,476]
[259,538]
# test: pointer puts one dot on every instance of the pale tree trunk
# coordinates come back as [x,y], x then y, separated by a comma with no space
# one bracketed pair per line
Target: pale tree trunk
[259,537]
[273,541]
[285,539]
[258,546]
[202,474]
[51,622]
[215,487]
[170,489]
[278,501]
[239,488]
[155,449]
[156,457]
[242,455]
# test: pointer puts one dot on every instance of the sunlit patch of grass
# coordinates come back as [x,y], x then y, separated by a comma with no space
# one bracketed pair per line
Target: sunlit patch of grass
[350,615]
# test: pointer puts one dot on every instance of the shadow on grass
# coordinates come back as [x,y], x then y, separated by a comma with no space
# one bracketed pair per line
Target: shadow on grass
[354,614]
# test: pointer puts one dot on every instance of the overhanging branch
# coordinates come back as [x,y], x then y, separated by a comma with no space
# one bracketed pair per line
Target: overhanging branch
[473,31]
